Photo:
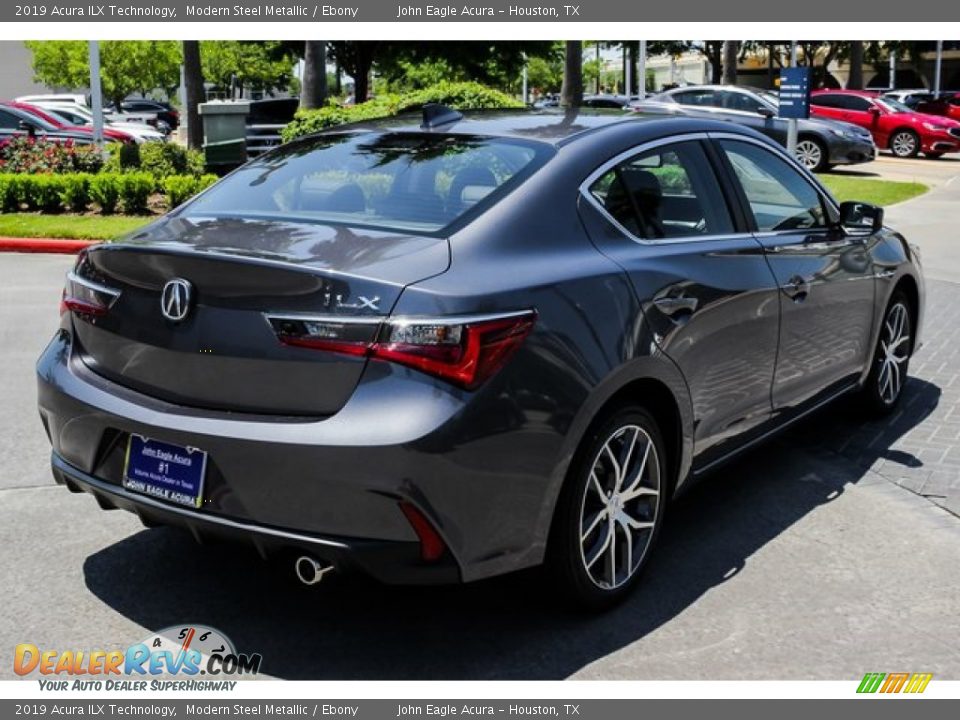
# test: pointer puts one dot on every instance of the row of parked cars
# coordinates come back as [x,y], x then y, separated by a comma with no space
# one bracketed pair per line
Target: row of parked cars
[846,127]
[68,117]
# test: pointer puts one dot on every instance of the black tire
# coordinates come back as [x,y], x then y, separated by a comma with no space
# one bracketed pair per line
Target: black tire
[934,155]
[876,395]
[905,144]
[817,158]
[591,587]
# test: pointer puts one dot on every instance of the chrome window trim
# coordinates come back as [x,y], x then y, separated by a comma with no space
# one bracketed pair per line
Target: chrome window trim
[637,150]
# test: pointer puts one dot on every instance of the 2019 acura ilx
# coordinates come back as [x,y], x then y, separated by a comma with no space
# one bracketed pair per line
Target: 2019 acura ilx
[444,350]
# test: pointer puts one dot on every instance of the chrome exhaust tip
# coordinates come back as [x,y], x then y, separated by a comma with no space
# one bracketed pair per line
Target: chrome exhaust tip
[310,571]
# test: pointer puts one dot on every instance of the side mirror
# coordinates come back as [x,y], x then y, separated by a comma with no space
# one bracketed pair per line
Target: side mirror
[26,127]
[874,110]
[860,217]
[765,111]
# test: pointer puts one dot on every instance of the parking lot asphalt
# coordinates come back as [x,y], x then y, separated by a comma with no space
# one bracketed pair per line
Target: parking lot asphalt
[826,554]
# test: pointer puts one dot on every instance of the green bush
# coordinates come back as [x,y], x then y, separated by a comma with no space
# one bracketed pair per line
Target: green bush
[9,193]
[105,191]
[161,159]
[460,95]
[122,157]
[42,192]
[135,191]
[156,157]
[75,195]
[205,181]
[179,188]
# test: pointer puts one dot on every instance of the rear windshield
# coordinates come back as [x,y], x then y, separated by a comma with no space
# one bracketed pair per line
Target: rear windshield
[411,181]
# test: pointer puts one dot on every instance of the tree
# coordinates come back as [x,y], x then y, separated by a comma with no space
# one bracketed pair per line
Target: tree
[731,52]
[126,66]
[546,73]
[313,91]
[818,56]
[855,79]
[193,87]
[499,64]
[713,51]
[355,57]
[264,65]
[571,92]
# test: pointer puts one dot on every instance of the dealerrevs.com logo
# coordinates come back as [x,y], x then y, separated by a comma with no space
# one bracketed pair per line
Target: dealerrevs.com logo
[185,651]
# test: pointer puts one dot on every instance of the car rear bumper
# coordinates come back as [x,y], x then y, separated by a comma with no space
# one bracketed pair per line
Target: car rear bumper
[390,562]
[483,477]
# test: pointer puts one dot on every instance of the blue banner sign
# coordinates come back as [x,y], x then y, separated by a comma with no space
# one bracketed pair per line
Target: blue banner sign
[795,93]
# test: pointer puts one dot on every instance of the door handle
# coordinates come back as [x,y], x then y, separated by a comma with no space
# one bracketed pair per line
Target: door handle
[797,289]
[676,306]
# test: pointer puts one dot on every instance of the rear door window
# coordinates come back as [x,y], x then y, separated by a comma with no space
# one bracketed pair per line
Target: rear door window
[830,101]
[663,193]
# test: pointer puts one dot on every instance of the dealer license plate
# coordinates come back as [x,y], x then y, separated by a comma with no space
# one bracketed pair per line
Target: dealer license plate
[165,471]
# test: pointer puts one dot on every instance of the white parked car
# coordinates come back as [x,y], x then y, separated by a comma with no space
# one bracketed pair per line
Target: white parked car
[75,114]
[82,101]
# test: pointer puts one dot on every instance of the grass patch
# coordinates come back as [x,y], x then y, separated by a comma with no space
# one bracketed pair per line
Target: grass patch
[876,192]
[73,227]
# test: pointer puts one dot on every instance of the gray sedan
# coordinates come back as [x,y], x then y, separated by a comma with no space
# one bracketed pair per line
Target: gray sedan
[444,348]
[821,144]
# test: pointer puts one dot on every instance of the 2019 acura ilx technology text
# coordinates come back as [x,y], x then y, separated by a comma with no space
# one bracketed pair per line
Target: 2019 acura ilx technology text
[443,351]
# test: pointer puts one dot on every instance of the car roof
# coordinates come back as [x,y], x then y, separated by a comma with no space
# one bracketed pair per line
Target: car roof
[556,127]
[839,91]
[707,86]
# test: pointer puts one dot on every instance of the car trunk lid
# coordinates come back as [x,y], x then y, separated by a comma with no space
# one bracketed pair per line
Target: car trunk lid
[225,354]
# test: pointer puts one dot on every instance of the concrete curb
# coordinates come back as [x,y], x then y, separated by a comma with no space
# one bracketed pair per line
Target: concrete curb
[43,245]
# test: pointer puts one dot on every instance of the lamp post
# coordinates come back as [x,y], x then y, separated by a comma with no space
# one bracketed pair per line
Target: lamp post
[792,122]
[96,94]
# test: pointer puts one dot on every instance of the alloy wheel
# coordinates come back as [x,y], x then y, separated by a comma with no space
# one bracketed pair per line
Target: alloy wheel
[618,514]
[904,144]
[893,353]
[809,154]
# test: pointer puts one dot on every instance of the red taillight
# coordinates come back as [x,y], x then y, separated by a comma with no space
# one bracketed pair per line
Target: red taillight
[86,297]
[432,546]
[464,351]
[483,348]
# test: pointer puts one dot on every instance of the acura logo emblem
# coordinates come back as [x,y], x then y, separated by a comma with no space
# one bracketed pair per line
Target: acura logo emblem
[175,299]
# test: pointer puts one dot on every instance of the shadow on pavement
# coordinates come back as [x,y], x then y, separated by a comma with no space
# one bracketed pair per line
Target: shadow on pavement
[507,628]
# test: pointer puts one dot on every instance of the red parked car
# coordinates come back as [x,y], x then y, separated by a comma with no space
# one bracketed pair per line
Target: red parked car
[57,122]
[903,131]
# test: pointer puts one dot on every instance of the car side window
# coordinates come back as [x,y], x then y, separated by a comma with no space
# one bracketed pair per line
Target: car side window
[780,198]
[702,98]
[853,102]
[739,101]
[8,121]
[667,192]
[829,101]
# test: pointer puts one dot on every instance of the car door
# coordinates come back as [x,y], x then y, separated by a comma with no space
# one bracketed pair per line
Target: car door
[748,110]
[708,294]
[826,277]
